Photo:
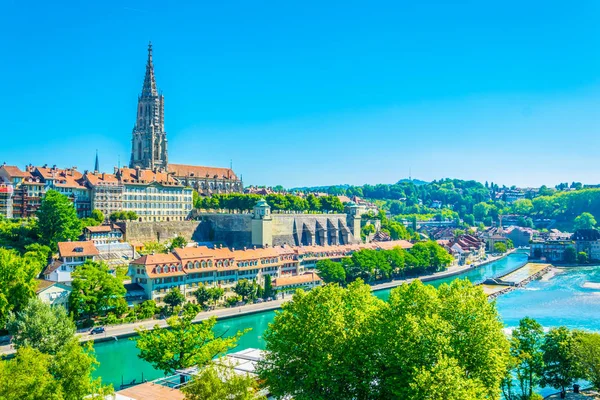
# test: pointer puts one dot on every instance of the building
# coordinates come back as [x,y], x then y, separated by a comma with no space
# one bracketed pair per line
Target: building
[103,234]
[28,190]
[207,180]
[149,145]
[6,199]
[155,195]
[106,192]
[289,284]
[68,181]
[149,139]
[191,267]
[550,250]
[587,241]
[467,249]
[70,255]
[520,236]
[53,293]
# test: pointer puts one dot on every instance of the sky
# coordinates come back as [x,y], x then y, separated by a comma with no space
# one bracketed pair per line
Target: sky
[309,93]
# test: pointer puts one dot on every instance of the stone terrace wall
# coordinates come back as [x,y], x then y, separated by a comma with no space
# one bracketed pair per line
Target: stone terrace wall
[235,230]
[161,231]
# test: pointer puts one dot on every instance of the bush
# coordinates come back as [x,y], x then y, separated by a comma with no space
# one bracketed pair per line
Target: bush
[233,300]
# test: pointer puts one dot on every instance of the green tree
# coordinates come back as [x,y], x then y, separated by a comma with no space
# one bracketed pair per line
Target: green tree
[587,352]
[522,207]
[509,244]
[219,381]
[526,349]
[131,216]
[584,221]
[560,362]
[95,290]
[500,247]
[42,327]
[57,219]
[480,211]
[178,242]
[445,380]
[314,342]
[17,281]
[269,291]
[246,289]
[216,293]
[174,298]
[98,216]
[421,325]
[183,344]
[570,255]
[146,309]
[202,295]
[582,257]
[27,377]
[331,271]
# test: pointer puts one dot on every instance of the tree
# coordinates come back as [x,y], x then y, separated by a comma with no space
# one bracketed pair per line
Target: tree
[27,376]
[570,255]
[269,291]
[98,216]
[420,335]
[331,271]
[421,326]
[480,211]
[202,295]
[587,352]
[178,242]
[218,381]
[526,349]
[246,289]
[582,257]
[314,342]
[57,219]
[95,290]
[184,344]
[584,221]
[17,280]
[500,247]
[145,310]
[216,293]
[509,244]
[560,362]
[42,327]
[174,298]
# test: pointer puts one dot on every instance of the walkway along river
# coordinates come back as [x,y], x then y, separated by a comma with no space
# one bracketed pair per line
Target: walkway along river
[119,361]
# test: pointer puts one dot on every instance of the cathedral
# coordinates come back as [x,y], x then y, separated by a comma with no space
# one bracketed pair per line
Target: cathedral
[149,145]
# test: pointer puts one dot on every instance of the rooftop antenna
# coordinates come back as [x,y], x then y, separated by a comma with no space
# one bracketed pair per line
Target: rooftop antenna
[119,162]
[231,164]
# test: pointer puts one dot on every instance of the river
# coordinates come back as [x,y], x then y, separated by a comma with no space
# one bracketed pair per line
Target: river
[561,300]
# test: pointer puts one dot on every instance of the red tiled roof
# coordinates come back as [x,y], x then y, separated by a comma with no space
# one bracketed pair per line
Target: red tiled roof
[146,176]
[68,178]
[296,279]
[76,249]
[14,171]
[197,171]
[101,178]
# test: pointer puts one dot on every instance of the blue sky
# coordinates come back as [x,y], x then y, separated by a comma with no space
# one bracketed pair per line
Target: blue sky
[312,92]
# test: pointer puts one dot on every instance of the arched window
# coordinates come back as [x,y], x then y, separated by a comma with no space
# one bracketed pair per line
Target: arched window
[180,268]
[197,265]
[189,265]
[203,264]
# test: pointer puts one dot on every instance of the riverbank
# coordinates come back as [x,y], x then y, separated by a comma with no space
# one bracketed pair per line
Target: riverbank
[116,332]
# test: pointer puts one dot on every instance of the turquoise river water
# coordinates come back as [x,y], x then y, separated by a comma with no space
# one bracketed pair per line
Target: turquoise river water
[561,300]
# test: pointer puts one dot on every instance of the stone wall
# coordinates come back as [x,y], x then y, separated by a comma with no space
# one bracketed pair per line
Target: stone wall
[235,230]
[161,231]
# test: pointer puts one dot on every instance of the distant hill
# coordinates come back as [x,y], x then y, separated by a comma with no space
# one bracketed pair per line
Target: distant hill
[417,182]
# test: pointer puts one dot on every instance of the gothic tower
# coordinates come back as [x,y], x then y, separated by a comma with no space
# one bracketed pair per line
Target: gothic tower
[149,139]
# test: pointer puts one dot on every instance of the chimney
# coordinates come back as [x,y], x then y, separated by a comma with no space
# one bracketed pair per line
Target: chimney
[254,247]
[245,248]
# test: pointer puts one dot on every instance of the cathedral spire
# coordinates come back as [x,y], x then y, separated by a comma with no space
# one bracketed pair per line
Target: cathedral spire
[97,164]
[149,88]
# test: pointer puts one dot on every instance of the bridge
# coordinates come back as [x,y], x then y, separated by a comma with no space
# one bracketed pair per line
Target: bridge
[494,287]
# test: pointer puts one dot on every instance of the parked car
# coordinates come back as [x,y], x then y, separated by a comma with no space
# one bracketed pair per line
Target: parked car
[259,300]
[97,330]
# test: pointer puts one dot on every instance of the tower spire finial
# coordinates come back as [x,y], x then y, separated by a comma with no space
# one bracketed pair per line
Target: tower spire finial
[97,164]
[149,88]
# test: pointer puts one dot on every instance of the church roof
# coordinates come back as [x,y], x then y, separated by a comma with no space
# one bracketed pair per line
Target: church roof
[184,171]
[146,176]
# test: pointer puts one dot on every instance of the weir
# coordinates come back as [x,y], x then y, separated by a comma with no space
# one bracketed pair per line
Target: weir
[494,287]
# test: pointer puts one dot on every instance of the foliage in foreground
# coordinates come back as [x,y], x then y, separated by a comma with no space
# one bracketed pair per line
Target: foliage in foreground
[218,381]
[346,344]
